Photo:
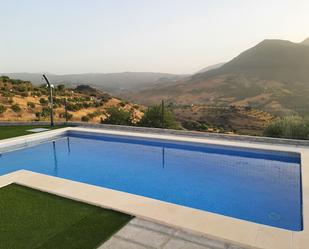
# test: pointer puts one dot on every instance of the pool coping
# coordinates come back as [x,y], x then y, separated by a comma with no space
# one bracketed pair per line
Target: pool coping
[231,230]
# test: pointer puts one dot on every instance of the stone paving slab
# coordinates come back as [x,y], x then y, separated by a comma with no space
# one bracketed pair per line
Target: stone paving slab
[38,129]
[118,243]
[143,234]
[182,244]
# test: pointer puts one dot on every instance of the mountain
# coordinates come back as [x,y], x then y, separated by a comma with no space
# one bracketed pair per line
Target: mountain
[269,60]
[272,76]
[306,41]
[215,66]
[113,83]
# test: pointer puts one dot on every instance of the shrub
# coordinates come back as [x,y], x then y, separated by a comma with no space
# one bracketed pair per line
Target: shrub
[2,109]
[44,102]
[45,112]
[20,88]
[118,117]
[61,88]
[7,94]
[69,115]
[292,127]
[16,108]
[153,118]
[5,78]
[74,107]
[31,105]
[24,94]
[122,104]
[248,108]
[105,98]
[195,125]
[94,114]
[85,119]
[16,82]
[58,101]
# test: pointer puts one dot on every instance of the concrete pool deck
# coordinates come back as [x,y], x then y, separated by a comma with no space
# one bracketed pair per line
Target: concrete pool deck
[143,234]
[214,226]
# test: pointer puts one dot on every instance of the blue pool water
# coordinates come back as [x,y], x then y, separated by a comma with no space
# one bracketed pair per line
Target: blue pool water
[259,186]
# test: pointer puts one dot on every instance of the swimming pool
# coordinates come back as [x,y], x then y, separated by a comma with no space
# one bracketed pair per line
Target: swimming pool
[253,185]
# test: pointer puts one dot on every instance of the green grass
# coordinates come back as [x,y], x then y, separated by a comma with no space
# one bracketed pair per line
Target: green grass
[37,220]
[20,130]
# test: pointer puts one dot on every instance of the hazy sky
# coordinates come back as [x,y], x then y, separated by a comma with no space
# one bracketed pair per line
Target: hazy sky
[175,36]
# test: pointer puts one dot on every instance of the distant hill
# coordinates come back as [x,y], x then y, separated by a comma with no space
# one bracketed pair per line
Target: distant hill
[272,76]
[114,83]
[22,101]
[306,41]
[215,66]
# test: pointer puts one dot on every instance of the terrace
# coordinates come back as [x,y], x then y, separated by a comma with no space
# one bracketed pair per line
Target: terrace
[161,224]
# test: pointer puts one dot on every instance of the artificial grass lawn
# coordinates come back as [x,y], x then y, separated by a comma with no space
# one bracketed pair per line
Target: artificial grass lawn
[33,219]
[14,131]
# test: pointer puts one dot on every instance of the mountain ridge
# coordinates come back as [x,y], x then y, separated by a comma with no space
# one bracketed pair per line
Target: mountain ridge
[306,41]
[114,83]
[271,76]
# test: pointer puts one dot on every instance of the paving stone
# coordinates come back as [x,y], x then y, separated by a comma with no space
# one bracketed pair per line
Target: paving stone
[153,226]
[143,236]
[235,247]
[201,240]
[38,130]
[116,243]
[176,243]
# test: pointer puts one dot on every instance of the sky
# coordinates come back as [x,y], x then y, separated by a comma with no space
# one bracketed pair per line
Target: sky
[171,36]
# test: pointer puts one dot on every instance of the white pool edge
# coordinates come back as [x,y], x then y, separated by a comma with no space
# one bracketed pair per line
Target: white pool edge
[216,226]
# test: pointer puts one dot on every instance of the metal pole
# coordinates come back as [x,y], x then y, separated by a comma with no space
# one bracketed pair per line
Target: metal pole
[51,101]
[162,114]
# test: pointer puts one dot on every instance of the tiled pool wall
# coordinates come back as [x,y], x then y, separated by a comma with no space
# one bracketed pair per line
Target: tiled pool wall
[203,147]
[29,140]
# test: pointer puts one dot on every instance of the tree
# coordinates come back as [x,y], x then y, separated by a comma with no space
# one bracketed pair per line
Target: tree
[85,119]
[44,102]
[2,109]
[153,118]
[61,88]
[16,108]
[293,127]
[31,105]
[118,116]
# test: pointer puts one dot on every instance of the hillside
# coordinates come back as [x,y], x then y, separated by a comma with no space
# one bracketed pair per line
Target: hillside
[306,41]
[272,76]
[113,83]
[206,69]
[240,120]
[22,101]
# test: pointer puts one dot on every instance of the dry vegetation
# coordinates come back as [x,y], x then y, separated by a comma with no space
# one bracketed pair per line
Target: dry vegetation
[231,119]
[22,101]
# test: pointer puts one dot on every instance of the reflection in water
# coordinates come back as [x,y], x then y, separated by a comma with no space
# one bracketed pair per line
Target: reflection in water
[55,159]
[163,157]
[69,148]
